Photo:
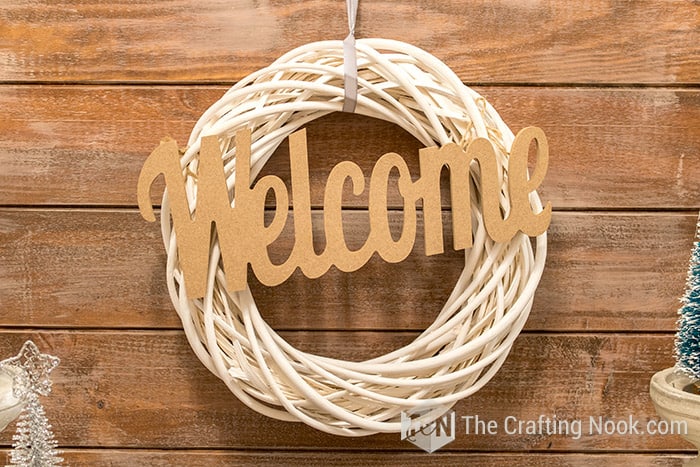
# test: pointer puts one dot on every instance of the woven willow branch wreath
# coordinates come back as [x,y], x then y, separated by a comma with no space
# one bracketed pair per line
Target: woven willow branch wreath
[472,335]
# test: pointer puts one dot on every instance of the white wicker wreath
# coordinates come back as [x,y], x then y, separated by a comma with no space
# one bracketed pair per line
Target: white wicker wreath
[470,338]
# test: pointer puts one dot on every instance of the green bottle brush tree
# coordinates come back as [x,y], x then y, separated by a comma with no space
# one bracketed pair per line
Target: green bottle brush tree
[675,391]
[688,336]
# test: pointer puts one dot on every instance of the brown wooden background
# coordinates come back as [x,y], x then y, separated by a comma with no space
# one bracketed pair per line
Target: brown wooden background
[88,88]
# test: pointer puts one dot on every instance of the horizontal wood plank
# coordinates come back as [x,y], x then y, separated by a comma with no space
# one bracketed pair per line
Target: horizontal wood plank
[601,41]
[207,458]
[148,390]
[609,148]
[90,268]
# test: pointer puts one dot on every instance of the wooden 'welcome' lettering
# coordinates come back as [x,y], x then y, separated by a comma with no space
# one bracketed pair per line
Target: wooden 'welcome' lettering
[244,237]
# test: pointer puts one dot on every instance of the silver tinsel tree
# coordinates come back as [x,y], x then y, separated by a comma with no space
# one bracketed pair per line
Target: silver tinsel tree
[34,444]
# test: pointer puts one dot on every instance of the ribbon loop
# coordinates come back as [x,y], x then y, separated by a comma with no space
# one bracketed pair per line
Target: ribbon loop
[350,60]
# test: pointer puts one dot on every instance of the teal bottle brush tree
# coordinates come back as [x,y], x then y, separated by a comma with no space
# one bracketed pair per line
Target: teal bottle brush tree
[688,336]
[676,391]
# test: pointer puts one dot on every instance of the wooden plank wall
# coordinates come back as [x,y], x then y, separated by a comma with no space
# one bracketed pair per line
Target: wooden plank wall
[88,88]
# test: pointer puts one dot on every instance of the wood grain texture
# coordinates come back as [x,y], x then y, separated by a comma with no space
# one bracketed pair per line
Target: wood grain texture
[207,458]
[147,390]
[601,41]
[87,89]
[609,148]
[90,268]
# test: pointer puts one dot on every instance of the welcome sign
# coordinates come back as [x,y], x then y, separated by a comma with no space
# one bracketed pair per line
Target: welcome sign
[243,234]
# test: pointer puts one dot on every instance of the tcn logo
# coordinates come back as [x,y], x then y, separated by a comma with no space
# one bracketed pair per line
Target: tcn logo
[427,435]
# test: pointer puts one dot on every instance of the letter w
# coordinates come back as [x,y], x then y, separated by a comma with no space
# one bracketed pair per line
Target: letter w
[194,236]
